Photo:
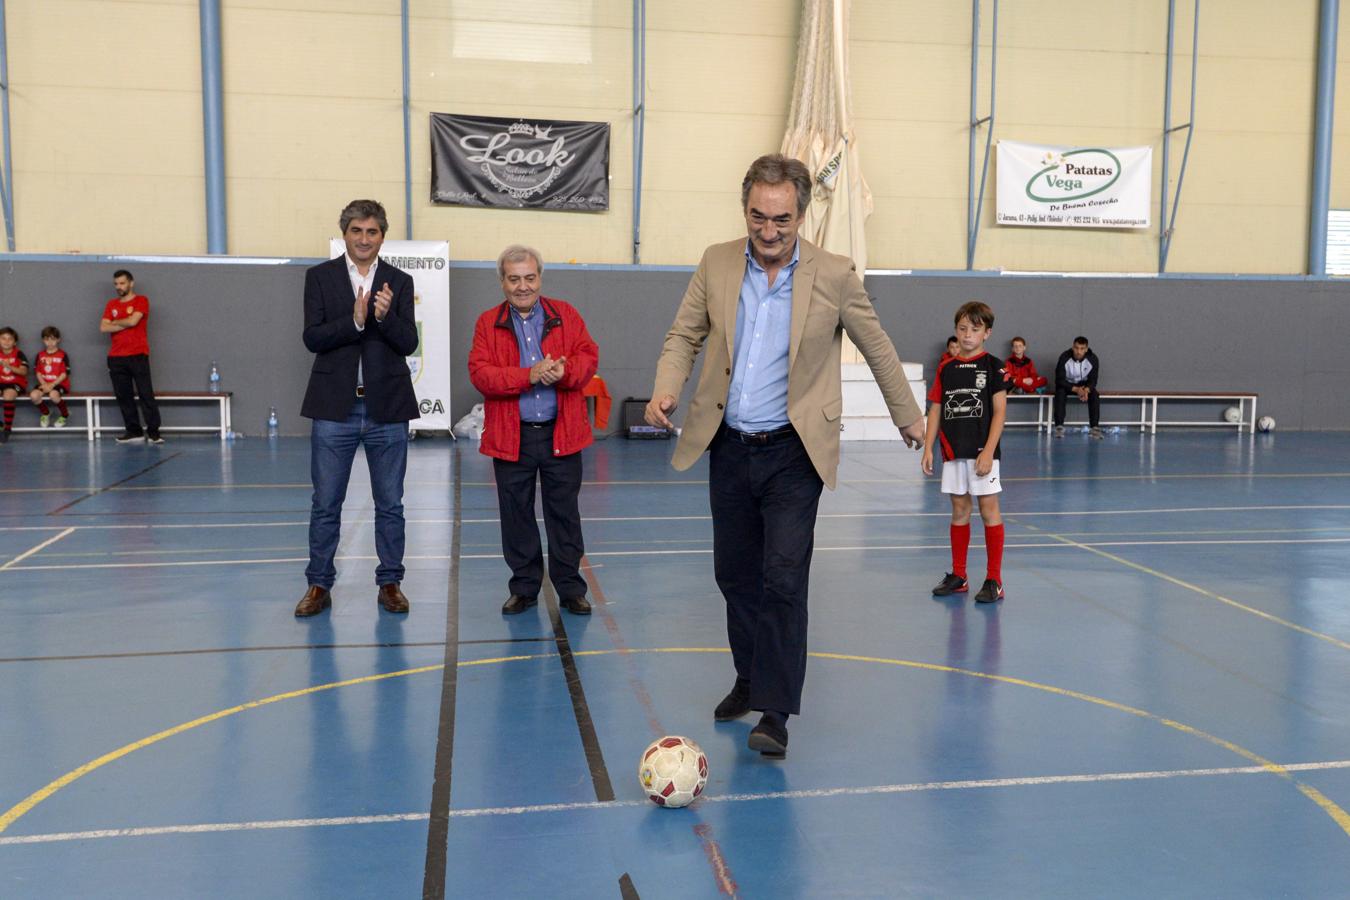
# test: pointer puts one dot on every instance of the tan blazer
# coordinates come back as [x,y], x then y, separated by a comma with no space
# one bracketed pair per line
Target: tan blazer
[827,299]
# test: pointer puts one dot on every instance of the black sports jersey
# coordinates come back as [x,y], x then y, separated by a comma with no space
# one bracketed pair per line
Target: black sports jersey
[965,389]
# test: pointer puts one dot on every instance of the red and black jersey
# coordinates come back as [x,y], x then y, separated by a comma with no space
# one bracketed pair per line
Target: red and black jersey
[965,390]
[51,366]
[10,361]
[129,341]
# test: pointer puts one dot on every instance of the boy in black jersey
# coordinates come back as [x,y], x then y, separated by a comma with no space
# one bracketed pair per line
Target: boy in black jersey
[968,404]
[13,377]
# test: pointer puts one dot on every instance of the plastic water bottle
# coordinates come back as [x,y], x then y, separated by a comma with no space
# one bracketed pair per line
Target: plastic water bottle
[272,424]
[213,378]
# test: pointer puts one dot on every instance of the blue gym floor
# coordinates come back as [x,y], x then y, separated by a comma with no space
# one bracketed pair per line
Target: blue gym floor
[1160,707]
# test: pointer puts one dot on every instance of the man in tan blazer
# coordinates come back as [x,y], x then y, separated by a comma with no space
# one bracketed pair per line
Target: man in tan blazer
[771,311]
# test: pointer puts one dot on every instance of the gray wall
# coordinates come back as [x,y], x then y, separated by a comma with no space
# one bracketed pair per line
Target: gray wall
[1169,333]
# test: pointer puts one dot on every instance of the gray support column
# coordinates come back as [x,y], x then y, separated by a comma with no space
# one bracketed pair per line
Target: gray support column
[639,117]
[407,131]
[975,202]
[1322,136]
[213,127]
[7,184]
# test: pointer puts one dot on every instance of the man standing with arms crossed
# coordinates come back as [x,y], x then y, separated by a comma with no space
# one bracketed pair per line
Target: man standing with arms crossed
[124,317]
[771,310]
[360,326]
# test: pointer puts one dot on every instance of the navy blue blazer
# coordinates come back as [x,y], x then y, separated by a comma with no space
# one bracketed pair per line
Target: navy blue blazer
[382,348]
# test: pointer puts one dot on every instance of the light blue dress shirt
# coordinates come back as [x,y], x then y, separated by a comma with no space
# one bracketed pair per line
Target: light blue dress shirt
[540,402]
[757,398]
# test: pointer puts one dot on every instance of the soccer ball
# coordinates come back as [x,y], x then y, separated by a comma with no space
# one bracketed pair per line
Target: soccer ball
[1232,414]
[1265,423]
[672,771]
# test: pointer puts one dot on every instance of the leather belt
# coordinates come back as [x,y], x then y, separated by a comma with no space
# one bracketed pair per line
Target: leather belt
[759,438]
[526,424]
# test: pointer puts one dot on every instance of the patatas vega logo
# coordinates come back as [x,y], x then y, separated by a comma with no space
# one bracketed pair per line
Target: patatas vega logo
[1073,175]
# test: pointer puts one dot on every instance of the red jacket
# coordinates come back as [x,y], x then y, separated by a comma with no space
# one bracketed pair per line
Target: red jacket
[495,370]
[1022,374]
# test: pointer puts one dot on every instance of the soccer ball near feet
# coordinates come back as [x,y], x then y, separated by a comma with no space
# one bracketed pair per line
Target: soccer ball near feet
[672,771]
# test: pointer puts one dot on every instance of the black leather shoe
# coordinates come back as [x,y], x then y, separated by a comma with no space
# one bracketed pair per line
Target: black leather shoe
[769,738]
[315,601]
[391,598]
[735,704]
[577,606]
[517,604]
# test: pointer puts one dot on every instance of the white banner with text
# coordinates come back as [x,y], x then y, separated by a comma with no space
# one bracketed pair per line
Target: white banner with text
[1074,187]
[428,262]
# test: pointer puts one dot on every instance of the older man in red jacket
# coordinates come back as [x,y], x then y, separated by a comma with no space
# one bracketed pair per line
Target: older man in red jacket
[531,358]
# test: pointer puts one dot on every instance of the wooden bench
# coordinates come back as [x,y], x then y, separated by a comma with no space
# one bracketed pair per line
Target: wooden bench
[93,414]
[1147,420]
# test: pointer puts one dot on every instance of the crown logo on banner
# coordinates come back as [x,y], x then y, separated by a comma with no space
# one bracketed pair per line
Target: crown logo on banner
[521,128]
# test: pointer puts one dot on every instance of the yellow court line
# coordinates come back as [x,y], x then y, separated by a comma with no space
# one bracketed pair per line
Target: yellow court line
[1139,567]
[38,549]
[12,815]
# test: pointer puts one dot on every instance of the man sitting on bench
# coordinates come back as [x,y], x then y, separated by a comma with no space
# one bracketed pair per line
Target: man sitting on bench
[1077,371]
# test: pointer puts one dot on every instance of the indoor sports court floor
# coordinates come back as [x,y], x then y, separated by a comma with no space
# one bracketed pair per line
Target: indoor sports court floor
[1160,707]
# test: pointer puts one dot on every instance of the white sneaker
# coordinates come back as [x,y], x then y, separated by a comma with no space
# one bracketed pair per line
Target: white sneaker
[60,422]
[43,421]
[1059,431]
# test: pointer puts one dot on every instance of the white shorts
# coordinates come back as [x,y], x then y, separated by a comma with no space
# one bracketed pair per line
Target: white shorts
[958,477]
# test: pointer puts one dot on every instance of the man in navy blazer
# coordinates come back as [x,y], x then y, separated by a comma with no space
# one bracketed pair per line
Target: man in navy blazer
[359,325]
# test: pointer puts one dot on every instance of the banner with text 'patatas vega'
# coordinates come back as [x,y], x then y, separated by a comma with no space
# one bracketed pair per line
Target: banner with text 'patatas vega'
[1074,187]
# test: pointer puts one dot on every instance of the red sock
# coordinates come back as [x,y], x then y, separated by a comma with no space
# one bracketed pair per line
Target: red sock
[9,414]
[62,408]
[993,545]
[42,407]
[960,544]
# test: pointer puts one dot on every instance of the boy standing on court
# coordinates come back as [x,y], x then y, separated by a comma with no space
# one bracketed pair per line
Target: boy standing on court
[968,402]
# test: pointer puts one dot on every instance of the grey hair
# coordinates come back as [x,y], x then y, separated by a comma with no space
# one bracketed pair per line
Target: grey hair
[363,209]
[775,168]
[518,253]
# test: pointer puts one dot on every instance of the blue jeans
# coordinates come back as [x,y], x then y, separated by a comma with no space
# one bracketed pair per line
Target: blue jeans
[332,447]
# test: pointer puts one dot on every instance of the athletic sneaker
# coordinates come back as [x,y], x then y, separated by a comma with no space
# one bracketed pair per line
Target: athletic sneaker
[1059,431]
[1095,434]
[154,438]
[950,584]
[991,592]
[60,422]
[43,421]
[127,437]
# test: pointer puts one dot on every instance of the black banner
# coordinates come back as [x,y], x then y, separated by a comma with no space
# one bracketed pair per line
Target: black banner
[519,163]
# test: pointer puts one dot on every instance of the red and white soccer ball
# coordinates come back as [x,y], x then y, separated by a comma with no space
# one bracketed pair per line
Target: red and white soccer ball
[673,771]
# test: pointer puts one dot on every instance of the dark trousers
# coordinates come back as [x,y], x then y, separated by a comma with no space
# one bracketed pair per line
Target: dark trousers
[332,448]
[764,499]
[130,376]
[1062,398]
[560,479]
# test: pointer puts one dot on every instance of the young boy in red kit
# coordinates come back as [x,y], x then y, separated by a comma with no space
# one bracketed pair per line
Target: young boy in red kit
[1022,375]
[968,404]
[13,376]
[52,367]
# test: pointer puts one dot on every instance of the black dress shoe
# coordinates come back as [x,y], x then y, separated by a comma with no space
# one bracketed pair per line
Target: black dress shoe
[315,601]
[735,704]
[577,606]
[517,604]
[769,738]
[392,599]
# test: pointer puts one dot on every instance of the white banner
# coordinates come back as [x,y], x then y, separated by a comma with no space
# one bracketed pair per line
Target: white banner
[1074,187]
[428,262]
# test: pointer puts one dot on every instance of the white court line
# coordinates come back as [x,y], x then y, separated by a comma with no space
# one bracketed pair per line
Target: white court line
[435,557]
[38,549]
[818,793]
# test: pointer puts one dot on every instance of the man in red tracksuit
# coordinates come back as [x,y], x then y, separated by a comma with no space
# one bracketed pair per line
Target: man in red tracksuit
[531,358]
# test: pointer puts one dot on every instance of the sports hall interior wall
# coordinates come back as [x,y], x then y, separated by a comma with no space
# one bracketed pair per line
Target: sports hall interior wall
[1170,333]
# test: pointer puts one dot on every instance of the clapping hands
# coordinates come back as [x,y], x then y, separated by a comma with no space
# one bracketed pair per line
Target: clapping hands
[548,371]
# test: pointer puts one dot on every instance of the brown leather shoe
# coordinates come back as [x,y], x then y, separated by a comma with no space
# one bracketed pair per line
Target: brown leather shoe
[315,601]
[577,606]
[392,599]
[517,604]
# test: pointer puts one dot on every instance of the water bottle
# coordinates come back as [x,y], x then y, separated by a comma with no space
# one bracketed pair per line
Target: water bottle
[213,378]
[272,424]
